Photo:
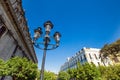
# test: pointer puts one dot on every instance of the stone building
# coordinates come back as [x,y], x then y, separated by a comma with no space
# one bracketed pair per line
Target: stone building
[90,55]
[14,33]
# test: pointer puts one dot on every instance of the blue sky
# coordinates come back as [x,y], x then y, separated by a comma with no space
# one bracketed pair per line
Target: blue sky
[82,23]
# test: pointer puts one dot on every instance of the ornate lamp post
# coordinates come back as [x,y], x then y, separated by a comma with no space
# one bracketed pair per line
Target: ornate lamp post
[46,42]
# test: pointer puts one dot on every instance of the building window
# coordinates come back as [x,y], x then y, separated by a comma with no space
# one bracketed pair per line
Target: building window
[90,56]
[85,57]
[2,30]
[2,26]
[81,58]
[98,63]
[95,56]
[104,63]
[78,59]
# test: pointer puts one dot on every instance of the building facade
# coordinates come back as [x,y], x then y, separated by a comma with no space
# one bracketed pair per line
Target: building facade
[90,55]
[14,33]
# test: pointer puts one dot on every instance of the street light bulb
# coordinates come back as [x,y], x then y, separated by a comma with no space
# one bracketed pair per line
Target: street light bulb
[36,35]
[37,32]
[48,26]
[57,36]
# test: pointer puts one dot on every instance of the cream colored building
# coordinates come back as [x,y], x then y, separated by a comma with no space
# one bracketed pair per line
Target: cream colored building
[90,55]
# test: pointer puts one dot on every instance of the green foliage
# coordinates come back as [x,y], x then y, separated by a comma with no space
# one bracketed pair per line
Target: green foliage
[49,75]
[19,69]
[110,72]
[23,69]
[85,72]
[103,72]
[80,72]
[72,73]
[63,76]
[3,68]
[38,75]
[91,72]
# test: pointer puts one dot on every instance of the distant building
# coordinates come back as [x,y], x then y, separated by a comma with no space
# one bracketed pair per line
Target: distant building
[90,55]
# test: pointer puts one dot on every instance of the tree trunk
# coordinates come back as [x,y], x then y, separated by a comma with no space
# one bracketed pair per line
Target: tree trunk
[13,77]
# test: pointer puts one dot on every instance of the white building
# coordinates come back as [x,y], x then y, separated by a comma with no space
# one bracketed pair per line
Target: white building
[90,55]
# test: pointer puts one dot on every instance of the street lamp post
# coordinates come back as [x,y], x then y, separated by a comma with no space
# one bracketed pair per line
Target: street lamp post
[46,42]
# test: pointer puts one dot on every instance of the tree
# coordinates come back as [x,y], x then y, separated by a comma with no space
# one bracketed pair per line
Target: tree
[85,72]
[49,75]
[80,72]
[63,76]
[3,69]
[110,72]
[2,66]
[72,73]
[91,72]
[22,69]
